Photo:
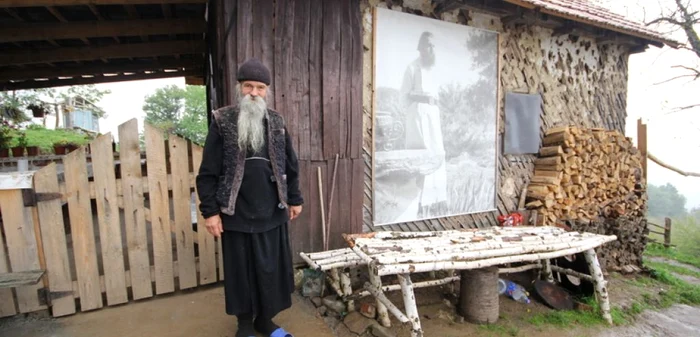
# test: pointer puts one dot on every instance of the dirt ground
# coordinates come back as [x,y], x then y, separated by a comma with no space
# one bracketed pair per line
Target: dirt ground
[200,313]
[438,316]
[186,314]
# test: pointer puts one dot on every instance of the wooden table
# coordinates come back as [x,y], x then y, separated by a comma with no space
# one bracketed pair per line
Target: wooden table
[404,253]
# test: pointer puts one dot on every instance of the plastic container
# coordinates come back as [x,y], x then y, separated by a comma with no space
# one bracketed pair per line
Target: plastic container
[514,291]
[502,286]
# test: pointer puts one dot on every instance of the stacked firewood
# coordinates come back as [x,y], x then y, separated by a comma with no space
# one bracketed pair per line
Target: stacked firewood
[625,253]
[582,174]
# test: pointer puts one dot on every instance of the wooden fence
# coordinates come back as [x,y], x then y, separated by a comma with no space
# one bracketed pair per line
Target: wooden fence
[108,227]
[666,232]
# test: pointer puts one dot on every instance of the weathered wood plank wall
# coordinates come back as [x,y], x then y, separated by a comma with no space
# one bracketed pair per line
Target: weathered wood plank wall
[314,52]
[581,83]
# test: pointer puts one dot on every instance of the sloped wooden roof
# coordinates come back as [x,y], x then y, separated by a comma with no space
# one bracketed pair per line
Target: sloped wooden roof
[48,43]
[586,12]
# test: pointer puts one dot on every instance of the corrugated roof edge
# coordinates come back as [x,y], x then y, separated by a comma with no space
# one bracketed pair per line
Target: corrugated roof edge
[613,22]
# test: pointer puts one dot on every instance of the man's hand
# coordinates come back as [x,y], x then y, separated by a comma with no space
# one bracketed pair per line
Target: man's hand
[213,224]
[294,212]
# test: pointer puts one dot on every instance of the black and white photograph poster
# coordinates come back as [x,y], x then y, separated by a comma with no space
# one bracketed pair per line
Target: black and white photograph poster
[436,87]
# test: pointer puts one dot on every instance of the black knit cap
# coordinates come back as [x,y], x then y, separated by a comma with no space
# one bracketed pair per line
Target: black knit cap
[254,70]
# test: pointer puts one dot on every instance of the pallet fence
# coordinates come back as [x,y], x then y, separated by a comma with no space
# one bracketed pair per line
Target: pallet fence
[108,227]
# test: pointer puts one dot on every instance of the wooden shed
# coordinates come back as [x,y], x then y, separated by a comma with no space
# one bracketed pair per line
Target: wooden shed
[331,61]
[570,53]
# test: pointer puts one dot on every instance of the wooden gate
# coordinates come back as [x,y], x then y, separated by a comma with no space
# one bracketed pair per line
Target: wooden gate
[113,226]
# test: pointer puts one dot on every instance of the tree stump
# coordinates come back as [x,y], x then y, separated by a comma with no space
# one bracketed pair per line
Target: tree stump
[478,295]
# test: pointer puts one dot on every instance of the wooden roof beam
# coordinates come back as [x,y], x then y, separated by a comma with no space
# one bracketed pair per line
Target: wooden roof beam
[98,16]
[61,18]
[103,79]
[45,3]
[77,30]
[93,70]
[68,54]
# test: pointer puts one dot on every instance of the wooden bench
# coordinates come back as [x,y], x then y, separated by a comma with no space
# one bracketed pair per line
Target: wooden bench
[405,253]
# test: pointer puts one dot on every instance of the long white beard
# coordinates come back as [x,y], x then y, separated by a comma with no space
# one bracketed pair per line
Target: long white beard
[251,130]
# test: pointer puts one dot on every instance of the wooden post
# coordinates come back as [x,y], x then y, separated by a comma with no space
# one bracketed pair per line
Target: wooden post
[667,233]
[642,145]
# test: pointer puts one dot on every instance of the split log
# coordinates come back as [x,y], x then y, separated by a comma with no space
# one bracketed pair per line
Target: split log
[589,173]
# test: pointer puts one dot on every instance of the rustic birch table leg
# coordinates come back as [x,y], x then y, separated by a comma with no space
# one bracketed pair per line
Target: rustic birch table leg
[409,303]
[599,282]
[335,282]
[346,286]
[376,280]
[547,271]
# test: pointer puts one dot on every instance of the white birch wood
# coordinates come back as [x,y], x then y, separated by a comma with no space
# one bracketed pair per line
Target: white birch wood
[599,282]
[329,253]
[425,267]
[518,269]
[386,303]
[346,284]
[416,285]
[481,254]
[309,261]
[409,303]
[566,271]
[340,258]
[382,314]
[335,281]
[335,286]
[547,271]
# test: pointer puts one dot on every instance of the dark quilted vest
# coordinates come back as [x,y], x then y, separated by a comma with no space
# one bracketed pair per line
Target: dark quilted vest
[234,160]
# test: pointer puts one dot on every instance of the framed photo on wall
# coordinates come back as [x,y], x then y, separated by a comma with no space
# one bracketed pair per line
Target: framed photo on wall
[435,118]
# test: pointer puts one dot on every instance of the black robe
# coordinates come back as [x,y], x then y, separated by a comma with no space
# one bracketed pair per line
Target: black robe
[258,272]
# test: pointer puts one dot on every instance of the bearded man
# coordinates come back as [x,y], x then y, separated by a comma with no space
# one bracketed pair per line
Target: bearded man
[419,97]
[248,186]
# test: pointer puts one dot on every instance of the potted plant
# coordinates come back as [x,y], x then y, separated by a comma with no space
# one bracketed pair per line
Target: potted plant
[38,111]
[18,151]
[32,150]
[59,147]
[5,137]
[72,146]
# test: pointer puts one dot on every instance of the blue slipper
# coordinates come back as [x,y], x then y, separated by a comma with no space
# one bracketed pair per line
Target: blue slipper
[280,333]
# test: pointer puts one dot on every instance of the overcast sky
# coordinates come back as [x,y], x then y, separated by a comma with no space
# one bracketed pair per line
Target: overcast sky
[672,137]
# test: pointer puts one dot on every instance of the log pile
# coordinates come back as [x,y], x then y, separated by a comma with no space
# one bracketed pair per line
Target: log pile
[582,174]
[590,180]
[625,253]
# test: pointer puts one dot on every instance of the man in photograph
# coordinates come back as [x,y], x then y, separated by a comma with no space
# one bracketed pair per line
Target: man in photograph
[419,100]
[248,186]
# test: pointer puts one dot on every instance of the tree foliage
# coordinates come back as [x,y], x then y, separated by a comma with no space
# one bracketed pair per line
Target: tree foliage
[14,105]
[665,201]
[685,18]
[179,111]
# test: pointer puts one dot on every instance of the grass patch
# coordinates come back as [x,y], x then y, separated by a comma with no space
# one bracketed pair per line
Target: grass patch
[45,138]
[673,268]
[678,291]
[566,318]
[655,249]
[685,235]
